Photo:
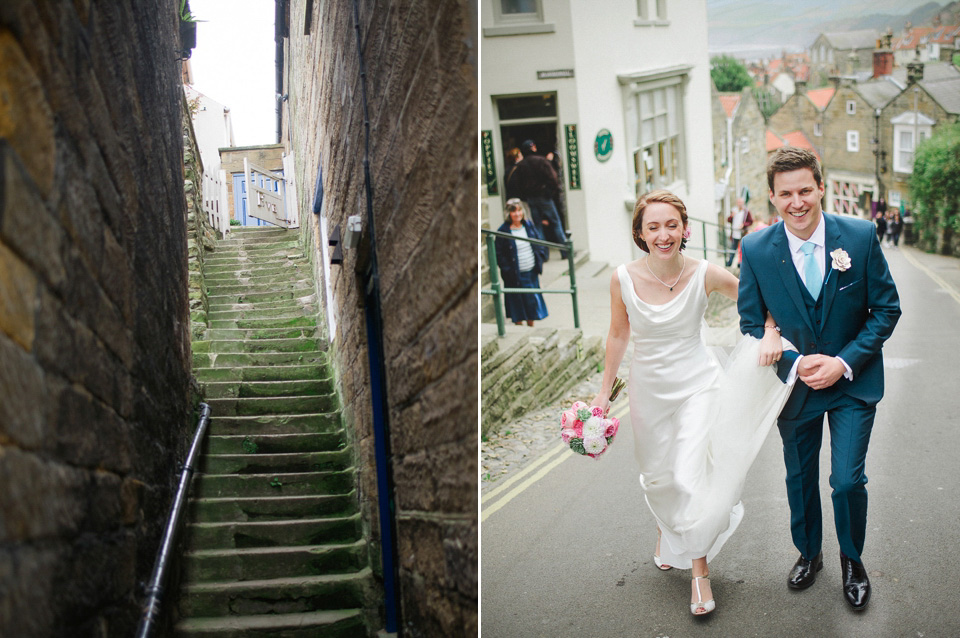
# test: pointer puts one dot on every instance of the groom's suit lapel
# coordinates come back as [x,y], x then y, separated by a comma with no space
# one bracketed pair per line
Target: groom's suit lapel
[788,273]
[832,278]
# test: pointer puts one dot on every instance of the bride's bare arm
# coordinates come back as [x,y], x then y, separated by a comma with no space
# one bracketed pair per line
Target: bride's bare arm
[617,339]
[721,280]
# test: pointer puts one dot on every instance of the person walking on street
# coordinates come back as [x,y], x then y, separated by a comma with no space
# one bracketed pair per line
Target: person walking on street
[824,280]
[510,186]
[537,185]
[530,148]
[740,220]
[521,264]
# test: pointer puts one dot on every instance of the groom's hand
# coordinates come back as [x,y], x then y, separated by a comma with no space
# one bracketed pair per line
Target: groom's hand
[819,371]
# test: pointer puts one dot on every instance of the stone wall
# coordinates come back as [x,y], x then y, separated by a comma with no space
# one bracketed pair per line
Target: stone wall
[201,236]
[94,339]
[421,80]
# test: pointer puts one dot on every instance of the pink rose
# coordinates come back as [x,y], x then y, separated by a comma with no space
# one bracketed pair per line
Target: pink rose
[567,418]
[578,427]
[566,434]
[596,411]
[612,426]
[579,404]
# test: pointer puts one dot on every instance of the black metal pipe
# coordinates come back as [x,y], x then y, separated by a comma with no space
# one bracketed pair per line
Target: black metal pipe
[154,590]
[378,377]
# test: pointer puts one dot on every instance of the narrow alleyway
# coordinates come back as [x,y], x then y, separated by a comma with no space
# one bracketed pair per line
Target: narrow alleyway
[273,541]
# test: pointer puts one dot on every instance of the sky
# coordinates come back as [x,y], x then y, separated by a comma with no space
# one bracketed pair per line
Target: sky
[235,64]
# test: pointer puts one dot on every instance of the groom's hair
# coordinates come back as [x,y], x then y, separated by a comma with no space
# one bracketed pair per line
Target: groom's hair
[791,158]
[663,196]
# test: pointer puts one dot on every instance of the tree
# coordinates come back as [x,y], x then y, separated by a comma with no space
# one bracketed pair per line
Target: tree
[935,192]
[729,74]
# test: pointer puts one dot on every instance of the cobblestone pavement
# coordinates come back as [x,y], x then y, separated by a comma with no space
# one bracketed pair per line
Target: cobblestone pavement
[516,444]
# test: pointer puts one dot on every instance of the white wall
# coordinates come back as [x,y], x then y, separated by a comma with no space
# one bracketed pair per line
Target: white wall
[213,127]
[600,43]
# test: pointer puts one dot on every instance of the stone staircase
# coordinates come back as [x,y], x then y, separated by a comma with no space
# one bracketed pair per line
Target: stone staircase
[273,543]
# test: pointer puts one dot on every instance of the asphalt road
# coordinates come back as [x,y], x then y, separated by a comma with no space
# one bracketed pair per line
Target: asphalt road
[567,549]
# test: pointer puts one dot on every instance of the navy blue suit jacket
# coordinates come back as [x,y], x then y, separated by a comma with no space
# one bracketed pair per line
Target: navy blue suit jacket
[860,306]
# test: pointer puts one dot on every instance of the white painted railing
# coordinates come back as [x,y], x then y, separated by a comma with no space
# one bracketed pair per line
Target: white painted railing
[215,201]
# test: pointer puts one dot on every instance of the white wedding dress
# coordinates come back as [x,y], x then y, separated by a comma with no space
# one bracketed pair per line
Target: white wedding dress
[697,426]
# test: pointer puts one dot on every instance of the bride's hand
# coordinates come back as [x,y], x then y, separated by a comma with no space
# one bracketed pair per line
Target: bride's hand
[603,402]
[771,348]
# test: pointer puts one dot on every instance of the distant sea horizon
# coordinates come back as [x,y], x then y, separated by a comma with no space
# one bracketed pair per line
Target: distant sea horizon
[755,51]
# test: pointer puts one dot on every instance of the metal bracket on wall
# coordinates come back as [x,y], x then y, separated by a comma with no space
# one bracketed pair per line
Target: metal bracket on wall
[337,258]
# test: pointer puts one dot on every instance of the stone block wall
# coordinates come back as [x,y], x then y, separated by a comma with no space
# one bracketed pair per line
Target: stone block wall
[421,81]
[94,327]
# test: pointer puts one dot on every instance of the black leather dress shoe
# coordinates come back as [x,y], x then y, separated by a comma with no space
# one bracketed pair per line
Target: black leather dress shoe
[804,572]
[856,585]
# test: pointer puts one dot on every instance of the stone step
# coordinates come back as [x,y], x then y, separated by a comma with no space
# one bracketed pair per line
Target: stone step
[254,297]
[333,623]
[320,423]
[291,310]
[278,276]
[227,248]
[279,595]
[269,322]
[271,508]
[262,373]
[246,359]
[245,286]
[250,389]
[287,462]
[279,484]
[250,253]
[292,304]
[257,563]
[244,233]
[272,405]
[256,345]
[235,334]
[216,266]
[262,268]
[300,531]
[273,443]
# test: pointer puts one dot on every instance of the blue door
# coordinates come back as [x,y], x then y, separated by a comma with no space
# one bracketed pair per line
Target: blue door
[240,196]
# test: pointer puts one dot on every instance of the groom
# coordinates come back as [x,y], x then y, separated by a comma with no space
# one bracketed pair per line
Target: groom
[826,283]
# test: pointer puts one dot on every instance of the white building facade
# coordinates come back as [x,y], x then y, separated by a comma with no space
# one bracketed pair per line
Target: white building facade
[620,88]
[213,128]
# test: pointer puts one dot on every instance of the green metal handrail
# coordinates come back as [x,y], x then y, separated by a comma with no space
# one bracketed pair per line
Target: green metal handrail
[497,290]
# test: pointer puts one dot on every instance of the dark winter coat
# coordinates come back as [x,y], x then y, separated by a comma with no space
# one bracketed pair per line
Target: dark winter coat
[507,253]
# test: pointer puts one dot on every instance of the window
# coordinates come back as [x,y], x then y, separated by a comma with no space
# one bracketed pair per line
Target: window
[851,107]
[651,12]
[903,138]
[653,109]
[744,145]
[818,129]
[517,17]
[853,141]
[893,199]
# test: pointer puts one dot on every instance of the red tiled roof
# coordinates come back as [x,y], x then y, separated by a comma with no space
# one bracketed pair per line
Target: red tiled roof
[773,141]
[793,138]
[729,104]
[774,65]
[821,97]
[921,36]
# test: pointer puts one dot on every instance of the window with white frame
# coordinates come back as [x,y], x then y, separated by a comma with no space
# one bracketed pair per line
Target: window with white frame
[893,199]
[744,144]
[851,107]
[651,12]
[818,129]
[654,123]
[904,143]
[517,11]
[853,141]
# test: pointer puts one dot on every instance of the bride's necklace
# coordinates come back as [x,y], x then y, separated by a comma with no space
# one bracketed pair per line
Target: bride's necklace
[670,286]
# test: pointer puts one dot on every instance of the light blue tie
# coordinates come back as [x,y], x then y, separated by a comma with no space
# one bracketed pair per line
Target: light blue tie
[811,271]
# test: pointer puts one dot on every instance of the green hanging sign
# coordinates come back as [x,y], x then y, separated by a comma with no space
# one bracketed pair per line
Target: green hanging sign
[573,157]
[489,164]
[603,145]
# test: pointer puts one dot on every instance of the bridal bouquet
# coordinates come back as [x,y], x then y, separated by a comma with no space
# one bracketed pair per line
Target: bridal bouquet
[585,428]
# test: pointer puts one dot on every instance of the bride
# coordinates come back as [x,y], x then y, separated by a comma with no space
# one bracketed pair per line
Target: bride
[697,426]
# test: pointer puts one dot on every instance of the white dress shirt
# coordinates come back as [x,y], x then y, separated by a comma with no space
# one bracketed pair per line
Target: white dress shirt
[819,255]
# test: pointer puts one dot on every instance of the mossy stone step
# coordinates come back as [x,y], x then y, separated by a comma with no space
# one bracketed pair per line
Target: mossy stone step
[304,320]
[226,265]
[234,359]
[267,267]
[271,508]
[252,252]
[301,531]
[273,443]
[249,389]
[279,595]
[260,297]
[292,303]
[246,288]
[280,276]
[256,345]
[285,462]
[272,405]
[279,484]
[332,623]
[274,562]
[234,334]
[274,424]
[224,248]
[290,310]
[262,373]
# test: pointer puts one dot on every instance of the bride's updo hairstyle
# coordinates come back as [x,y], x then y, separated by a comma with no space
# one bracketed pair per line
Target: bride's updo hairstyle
[663,196]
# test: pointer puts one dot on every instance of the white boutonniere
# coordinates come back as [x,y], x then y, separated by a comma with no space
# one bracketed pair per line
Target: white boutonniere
[841,260]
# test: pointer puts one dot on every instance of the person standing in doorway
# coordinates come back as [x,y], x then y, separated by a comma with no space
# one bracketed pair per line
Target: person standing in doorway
[538,185]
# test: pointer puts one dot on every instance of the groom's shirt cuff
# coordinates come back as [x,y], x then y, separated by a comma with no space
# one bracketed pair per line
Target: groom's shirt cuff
[792,377]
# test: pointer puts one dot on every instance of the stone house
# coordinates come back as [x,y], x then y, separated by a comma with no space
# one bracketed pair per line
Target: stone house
[801,113]
[843,52]
[267,156]
[926,44]
[739,149]
[400,307]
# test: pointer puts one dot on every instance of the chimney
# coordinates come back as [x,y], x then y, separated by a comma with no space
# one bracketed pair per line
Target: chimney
[835,81]
[914,72]
[883,57]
